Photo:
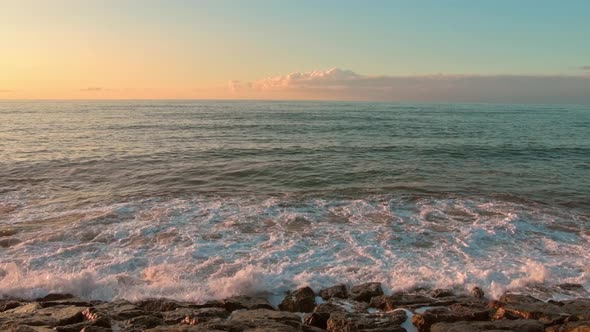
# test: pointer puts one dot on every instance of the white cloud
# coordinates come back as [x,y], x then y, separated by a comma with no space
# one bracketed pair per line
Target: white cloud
[348,85]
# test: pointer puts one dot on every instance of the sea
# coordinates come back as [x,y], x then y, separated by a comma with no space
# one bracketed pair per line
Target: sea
[202,200]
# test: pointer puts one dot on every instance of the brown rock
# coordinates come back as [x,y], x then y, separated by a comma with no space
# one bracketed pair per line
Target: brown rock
[453,313]
[301,300]
[439,292]
[63,315]
[499,325]
[366,291]
[349,322]
[477,293]
[144,322]
[547,313]
[400,300]
[245,302]
[159,305]
[320,315]
[579,308]
[258,315]
[9,242]
[338,291]
[510,298]
[55,297]
[9,304]
[579,326]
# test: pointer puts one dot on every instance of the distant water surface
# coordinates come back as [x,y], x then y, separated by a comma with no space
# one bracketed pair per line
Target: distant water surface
[207,199]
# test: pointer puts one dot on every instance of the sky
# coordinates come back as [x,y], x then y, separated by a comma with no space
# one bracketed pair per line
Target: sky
[438,50]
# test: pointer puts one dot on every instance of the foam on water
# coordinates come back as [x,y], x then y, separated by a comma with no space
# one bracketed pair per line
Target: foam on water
[205,247]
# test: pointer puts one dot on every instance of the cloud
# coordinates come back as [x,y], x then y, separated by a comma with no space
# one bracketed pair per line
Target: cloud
[585,68]
[347,85]
[6,91]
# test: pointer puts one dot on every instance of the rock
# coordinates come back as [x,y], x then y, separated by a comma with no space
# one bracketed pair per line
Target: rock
[454,313]
[338,291]
[64,315]
[158,305]
[301,300]
[9,304]
[520,325]
[547,313]
[144,322]
[441,293]
[321,313]
[9,242]
[580,308]
[245,302]
[8,232]
[96,318]
[95,329]
[399,300]
[193,317]
[510,298]
[579,326]
[571,287]
[477,292]
[121,310]
[55,297]
[366,291]
[258,315]
[349,322]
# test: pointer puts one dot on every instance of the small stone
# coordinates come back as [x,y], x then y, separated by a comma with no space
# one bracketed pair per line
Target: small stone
[301,300]
[366,291]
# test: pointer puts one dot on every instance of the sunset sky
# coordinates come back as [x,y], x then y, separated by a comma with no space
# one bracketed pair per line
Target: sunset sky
[472,51]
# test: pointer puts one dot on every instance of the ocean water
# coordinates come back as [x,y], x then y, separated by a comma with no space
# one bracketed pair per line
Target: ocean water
[199,200]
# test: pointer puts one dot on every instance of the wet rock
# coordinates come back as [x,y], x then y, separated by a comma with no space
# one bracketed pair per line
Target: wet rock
[579,326]
[121,310]
[321,313]
[399,300]
[521,325]
[350,322]
[8,232]
[144,322]
[95,329]
[338,291]
[301,300]
[441,293]
[580,308]
[477,293]
[193,317]
[245,302]
[510,298]
[159,305]
[259,315]
[9,304]
[453,313]
[9,242]
[547,313]
[571,287]
[63,315]
[366,291]
[55,297]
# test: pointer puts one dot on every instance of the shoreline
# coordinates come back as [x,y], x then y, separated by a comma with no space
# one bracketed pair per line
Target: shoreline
[359,308]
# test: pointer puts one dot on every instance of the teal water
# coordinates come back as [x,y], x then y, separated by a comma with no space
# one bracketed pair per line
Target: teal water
[291,192]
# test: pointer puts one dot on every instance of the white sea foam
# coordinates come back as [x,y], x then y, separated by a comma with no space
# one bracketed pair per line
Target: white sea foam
[212,247]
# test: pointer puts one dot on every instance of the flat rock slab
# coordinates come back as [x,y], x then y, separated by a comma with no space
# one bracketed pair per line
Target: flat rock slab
[340,321]
[259,315]
[579,326]
[521,325]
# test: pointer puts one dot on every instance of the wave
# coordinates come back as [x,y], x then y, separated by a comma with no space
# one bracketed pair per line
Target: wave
[209,247]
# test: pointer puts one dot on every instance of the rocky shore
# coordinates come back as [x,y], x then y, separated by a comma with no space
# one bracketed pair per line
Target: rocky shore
[359,308]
